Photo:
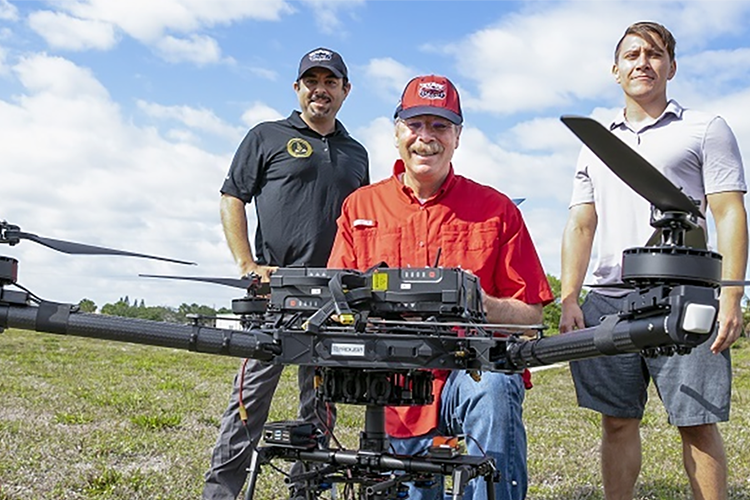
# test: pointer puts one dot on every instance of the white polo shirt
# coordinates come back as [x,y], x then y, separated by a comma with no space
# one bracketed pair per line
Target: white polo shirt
[696,151]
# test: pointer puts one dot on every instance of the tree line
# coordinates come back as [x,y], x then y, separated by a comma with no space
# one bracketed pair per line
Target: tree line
[138,309]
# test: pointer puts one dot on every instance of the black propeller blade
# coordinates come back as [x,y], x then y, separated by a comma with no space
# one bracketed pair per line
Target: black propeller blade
[243,283]
[735,283]
[631,167]
[12,235]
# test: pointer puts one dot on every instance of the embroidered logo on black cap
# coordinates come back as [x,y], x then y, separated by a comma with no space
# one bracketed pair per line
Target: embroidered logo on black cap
[431,90]
[320,55]
[299,148]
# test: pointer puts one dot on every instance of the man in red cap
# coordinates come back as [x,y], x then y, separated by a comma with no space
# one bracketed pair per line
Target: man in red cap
[423,211]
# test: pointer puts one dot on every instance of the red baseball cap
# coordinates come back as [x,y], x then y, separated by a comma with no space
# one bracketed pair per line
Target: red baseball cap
[430,95]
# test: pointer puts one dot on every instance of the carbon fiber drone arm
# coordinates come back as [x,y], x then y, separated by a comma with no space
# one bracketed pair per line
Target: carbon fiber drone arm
[64,319]
[666,317]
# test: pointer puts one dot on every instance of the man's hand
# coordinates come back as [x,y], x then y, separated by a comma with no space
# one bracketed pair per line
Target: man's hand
[571,316]
[263,271]
[730,320]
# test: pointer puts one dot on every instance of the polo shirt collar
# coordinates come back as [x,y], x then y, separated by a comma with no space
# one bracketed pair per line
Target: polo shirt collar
[673,109]
[296,121]
[399,168]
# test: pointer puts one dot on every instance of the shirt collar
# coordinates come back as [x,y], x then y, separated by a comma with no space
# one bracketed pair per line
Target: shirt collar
[399,168]
[673,109]
[296,121]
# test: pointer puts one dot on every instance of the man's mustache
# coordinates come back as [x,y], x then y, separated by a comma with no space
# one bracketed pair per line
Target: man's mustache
[318,97]
[428,148]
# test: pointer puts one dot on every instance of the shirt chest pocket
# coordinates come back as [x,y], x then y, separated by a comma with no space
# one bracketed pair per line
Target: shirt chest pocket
[374,245]
[473,246]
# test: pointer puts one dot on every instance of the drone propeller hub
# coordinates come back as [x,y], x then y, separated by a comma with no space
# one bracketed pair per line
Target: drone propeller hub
[673,227]
[648,266]
[249,305]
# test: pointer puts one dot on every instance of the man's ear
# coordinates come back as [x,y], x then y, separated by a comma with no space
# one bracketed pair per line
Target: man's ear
[616,73]
[459,128]
[295,85]
[347,89]
[672,70]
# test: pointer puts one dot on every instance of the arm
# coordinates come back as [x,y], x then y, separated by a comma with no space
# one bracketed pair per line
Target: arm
[509,310]
[577,241]
[234,222]
[729,214]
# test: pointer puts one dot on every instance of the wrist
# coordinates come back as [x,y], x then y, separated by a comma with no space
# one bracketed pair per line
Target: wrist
[567,300]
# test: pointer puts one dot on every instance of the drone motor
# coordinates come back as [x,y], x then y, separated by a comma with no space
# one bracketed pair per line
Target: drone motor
[644,266]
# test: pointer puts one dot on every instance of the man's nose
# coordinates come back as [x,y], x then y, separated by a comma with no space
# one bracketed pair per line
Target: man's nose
[642,60]
[426,133]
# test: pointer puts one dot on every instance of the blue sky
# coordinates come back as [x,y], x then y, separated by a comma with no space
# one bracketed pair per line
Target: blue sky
[118,120]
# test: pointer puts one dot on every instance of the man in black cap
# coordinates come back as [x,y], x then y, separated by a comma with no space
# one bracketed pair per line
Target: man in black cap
[298,172]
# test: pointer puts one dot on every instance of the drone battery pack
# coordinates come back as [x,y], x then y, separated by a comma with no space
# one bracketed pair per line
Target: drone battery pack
[290,434]
[447,292]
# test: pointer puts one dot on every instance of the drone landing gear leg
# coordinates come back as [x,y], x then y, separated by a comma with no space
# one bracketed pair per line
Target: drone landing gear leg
[253,472]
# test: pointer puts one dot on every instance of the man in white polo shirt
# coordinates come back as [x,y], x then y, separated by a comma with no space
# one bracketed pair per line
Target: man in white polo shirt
[697,152]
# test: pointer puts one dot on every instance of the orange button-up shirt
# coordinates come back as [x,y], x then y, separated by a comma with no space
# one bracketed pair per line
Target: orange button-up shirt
[473,226]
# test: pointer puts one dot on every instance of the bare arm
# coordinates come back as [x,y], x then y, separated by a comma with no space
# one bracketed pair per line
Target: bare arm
[578,238]
[234,222]
[511,311]
[729,214]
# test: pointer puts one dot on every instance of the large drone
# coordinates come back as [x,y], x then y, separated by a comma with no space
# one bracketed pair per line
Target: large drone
[374,334]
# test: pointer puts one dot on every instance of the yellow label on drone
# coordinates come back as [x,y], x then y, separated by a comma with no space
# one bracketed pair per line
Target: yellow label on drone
[380,282]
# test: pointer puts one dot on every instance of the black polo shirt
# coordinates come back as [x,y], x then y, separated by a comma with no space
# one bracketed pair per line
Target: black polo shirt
[298,180]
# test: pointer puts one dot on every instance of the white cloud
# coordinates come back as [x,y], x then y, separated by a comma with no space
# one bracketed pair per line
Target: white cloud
[514,173]
[194,118]
[326,14]
[3,67]
[198,49]
[95,24]
[62,31]
[122,186]
[8,11]
[379,140]
[148,20]
[515,62]
[387,77]
[540,134]
[543,57]
[712,73]
[259,112]
[45,75]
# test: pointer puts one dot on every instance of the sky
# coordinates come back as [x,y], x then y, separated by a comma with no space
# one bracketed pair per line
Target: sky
[118,120]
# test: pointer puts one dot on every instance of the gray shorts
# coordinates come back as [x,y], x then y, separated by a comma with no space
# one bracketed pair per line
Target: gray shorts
[695,388]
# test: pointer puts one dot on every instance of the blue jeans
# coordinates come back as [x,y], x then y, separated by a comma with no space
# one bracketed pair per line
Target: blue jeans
[490,411]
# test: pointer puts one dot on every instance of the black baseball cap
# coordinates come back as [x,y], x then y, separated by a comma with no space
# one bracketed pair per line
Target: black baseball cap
[323,58]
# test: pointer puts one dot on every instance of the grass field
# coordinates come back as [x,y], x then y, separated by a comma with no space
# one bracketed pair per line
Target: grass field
[87,419]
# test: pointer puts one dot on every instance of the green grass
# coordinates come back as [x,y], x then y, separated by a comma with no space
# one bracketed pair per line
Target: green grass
[88,419]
